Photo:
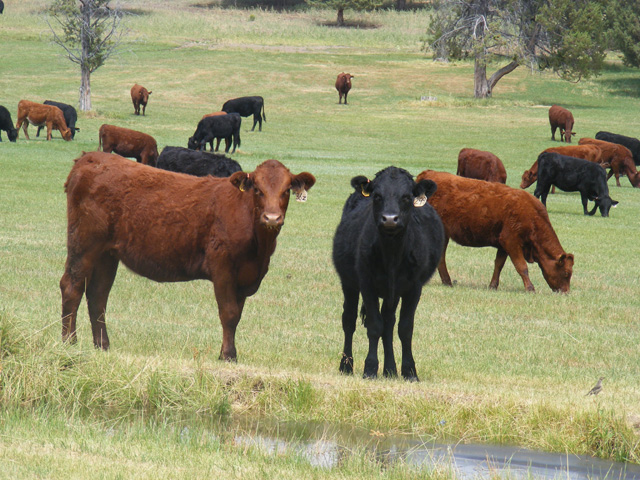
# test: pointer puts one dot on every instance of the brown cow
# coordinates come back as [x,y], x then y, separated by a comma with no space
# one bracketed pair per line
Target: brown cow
[128,143]
[586,152]
[170,227]
[563,119]
[139,97]
[487,214]
[481,165]
[619,158]
[343,85]
[39,115]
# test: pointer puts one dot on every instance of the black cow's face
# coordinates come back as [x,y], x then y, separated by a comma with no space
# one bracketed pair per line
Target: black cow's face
[192,143]
[12,134]
[605,204]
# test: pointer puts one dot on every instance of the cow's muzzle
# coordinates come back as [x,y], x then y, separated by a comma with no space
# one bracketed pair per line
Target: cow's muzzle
[272,220]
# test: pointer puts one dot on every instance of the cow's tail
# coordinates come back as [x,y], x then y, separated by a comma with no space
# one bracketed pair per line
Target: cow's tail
[99,141]
[264,116]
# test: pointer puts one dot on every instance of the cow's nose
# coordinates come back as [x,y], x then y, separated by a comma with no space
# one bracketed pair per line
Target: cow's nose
[272,219]
[389,221]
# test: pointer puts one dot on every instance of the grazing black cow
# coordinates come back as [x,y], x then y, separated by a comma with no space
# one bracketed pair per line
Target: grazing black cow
[633,144]
[574,175]
[199,164]
[211,128]
[387,245]
[70,116]
[6,124]
[246,106]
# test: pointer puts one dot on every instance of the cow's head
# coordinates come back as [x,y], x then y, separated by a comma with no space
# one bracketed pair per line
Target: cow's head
[193,144]
[144,95]
[557,272]
[395,195]
[270,185]
[604,203]
[568,127]
[66,134]
[528,177]
[12,133]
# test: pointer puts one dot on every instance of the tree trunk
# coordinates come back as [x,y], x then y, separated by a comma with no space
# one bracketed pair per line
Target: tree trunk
[85,72]
[401,4]
[85,90]
[480,84]
[341,16]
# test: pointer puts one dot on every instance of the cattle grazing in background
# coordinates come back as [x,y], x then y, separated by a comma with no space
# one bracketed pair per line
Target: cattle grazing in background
[574,175]
[38,114]
[140,98]
[488,214]
[633,144]
[6,124]
[563,119]
[70,116]
[194,162]
[586,152]
[481,165]
[246,106]
[619,158]
[1,6]
[128,143]
[170,227]
[215,114]
[387,246]
[343,85]
[217,127]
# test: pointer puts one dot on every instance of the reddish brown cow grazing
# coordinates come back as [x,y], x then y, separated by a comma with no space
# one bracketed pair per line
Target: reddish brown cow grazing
[128,143]
[563,119]
[170,227]
[619,158]
[586,152]
[481,165]
[343,85]
[487,214]
[139,97]
[39,114]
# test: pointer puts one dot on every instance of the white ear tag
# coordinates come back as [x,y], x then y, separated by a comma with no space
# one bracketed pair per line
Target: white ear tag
[301,196]
[420,201]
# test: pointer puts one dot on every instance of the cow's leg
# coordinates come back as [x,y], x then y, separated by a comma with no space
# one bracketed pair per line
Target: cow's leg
[405,332]
[442,265]
[584,198]
[77,270]
[349,318]
[25,125]
[144,108]
[49,130]
[510,243]
[38,131]
[553,132]
[375,328]
[230,305]
[98,288]
[345,97]
[389,317]
[218,140]
[501,258]
[255,121]
[228,141]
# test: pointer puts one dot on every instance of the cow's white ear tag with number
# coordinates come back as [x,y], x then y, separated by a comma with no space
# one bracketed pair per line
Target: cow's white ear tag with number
[301,196]
[420,201]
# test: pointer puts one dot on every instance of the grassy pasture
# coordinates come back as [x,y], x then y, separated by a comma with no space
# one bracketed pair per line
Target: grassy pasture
[501,366]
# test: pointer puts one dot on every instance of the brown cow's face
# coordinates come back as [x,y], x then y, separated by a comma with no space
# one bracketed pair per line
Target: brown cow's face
[527,179]
[66,134]
[557,272]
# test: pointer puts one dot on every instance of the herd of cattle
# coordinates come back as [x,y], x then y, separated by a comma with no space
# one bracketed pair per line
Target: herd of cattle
[188,214]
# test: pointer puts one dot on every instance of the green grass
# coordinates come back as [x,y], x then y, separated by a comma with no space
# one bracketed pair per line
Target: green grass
[501,366]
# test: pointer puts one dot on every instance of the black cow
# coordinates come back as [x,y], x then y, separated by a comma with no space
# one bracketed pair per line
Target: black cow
[69,113]
[574,175]
[211,128]
[6,124]
[387,245]
[633,144]
[199,164]
[246,106]
[1,6]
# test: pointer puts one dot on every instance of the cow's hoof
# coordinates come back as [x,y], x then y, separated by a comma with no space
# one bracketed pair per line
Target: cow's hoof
[346,365]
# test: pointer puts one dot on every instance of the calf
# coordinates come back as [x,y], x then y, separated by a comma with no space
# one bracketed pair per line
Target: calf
[70,116]
[193,162]
[343,85]
[481,165]
[38,114]
[6,124]
[563,119]
[387,246]
[619,159]
[246,106]
[170,227]
[633,144]
[128,143]
[140,98]
[226,143]
[217,127]
[574,174]
[487,214]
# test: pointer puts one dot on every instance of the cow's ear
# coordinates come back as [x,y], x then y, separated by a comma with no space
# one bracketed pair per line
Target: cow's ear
[241,180]
[424,187]
[150,93]
[362,184]
[565,258]
[300,184]
[614,203]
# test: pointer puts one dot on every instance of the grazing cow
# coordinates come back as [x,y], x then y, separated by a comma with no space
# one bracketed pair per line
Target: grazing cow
[140,98]
[481,165]
[193,162]
[619,158]
[586,152]
[38,114]
[633,144]
[226,143]
[563,119]
[343,85]
[6,124]
[128,143]
[217,127]
[170,227]
[574,174]
[387,246]
[246,106]
[487,214]
[70,116]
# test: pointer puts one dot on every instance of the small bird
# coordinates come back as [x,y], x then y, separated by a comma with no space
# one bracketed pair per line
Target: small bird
[597,388]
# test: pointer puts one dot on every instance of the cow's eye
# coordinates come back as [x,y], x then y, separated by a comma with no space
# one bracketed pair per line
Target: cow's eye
[377,198]
[407,200]
[285,194]
[259,192]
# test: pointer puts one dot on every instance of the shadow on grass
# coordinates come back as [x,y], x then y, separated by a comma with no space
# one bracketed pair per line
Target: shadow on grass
[359,24]
[627,86]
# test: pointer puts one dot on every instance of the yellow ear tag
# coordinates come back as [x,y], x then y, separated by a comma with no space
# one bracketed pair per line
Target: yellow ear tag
[365,194]
[241,187]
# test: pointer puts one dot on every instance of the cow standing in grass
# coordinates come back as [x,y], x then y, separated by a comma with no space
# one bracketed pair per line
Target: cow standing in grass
[140,98]
[563,119]
[343,85]
[245,107]
[6,124]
